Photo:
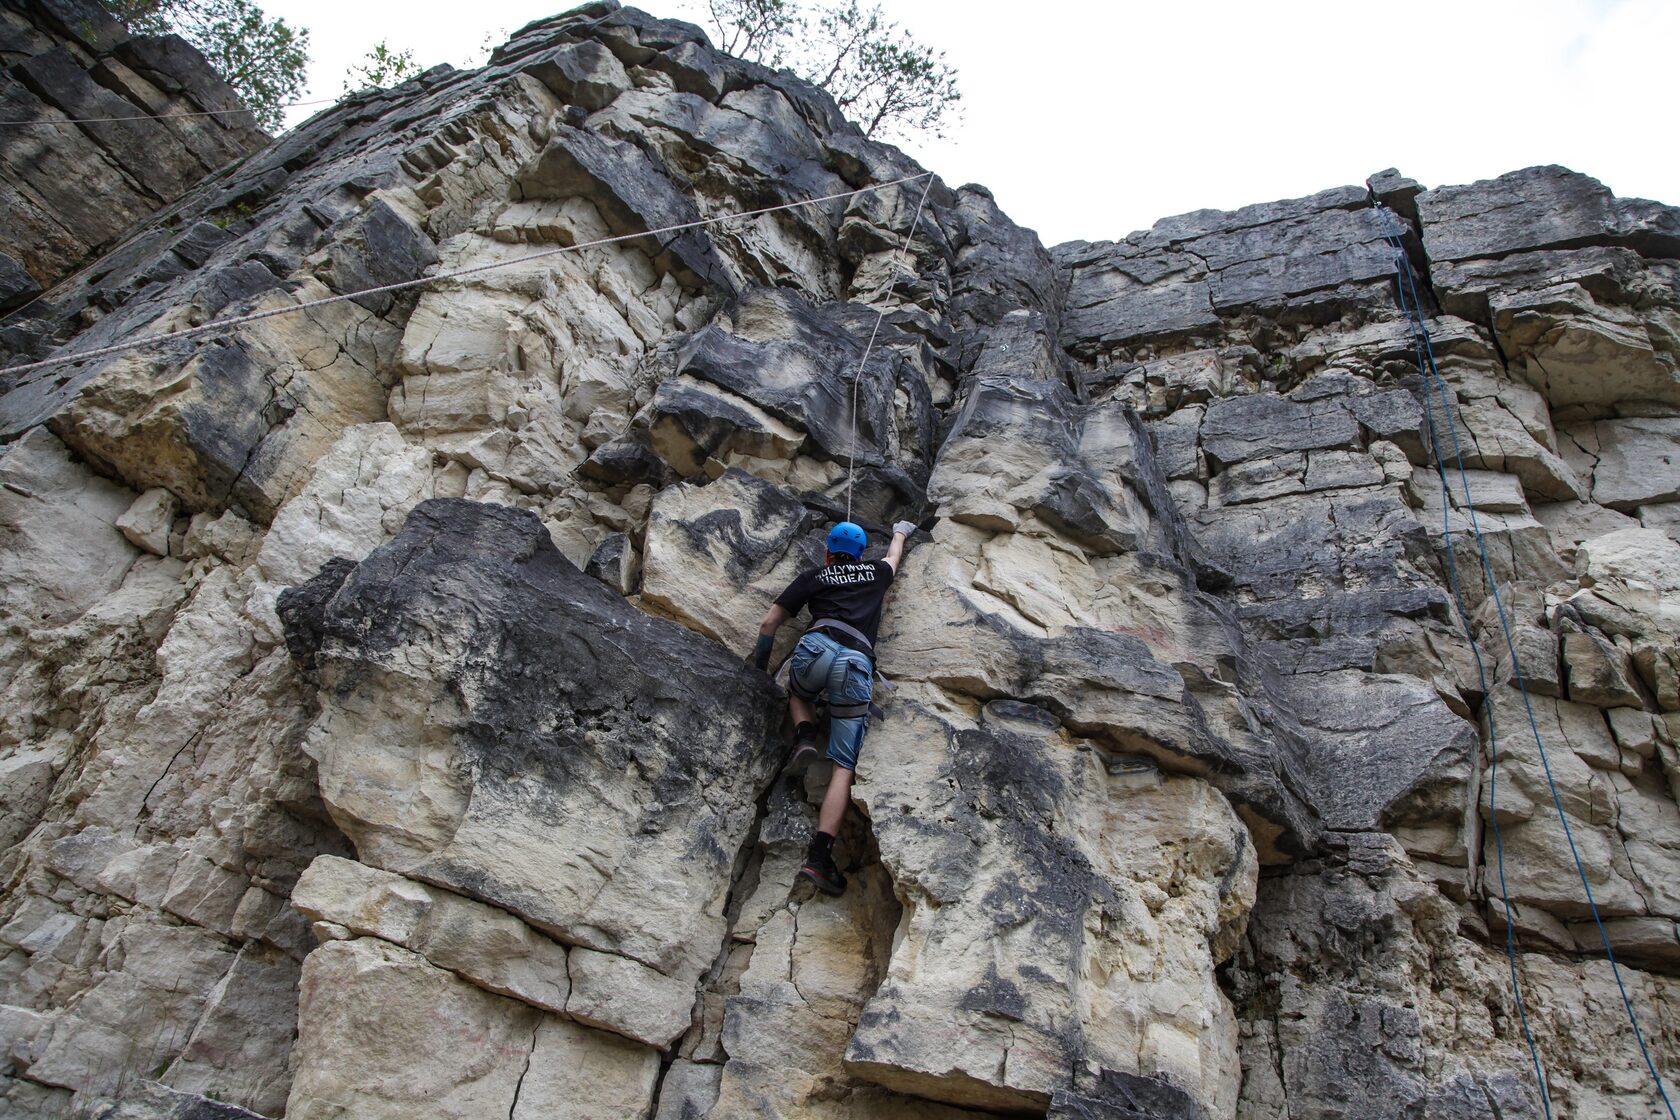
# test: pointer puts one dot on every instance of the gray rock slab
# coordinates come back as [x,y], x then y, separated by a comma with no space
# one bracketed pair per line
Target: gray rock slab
[558,757]
[1249,427]
[1632,462]
[800,362]
[1021,445]
[1607,272]
[585,74]
[1536,208]
[1095,317]
[634,192]
[17,287]
[1382,748]
[481,944]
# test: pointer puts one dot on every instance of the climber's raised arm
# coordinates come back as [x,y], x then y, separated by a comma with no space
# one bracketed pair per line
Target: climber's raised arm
[895,550]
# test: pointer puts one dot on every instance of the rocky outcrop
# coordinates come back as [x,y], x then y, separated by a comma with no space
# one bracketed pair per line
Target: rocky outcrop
[377,738]
[101,129]
[1300,446]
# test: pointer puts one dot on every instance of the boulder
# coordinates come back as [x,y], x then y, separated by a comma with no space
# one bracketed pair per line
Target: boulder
[694,68]
[1637,558]
[616,564]
[777,376]
[1239,428]
[482,945]
[586,74]
[384,1033]
[147,523]
[1037,862]
[1599,673]
[1580,351]
[64,550]
[632,193]
[470,665]
[1025,447]
[1381,749]
[620,995]
[716,556]
[1629,462]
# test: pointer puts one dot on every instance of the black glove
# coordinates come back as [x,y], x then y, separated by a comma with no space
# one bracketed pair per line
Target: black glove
[761,652]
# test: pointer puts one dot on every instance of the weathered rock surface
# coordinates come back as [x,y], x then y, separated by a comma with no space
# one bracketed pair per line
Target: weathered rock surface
[584,767]
[374,733]
[69,190]
[428,1044]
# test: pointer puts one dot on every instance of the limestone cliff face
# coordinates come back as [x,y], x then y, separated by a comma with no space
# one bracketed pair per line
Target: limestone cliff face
[151,119]
[376,740]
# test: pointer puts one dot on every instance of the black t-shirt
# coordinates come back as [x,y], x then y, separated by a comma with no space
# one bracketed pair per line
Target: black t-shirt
[851,593]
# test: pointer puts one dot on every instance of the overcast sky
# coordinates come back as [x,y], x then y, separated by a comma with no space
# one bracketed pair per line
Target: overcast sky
[1091,120]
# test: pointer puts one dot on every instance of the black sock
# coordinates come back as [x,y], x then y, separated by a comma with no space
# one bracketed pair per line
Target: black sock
[822,846]
[806,731]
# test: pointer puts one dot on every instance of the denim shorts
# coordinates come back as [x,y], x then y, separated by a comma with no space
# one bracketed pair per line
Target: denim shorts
[822,666]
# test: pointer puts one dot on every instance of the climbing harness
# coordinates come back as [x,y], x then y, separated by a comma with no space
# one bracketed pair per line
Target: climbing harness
[898,265]
[850,636]
[219,325]
[863,646]
[1435,385]
[835,630]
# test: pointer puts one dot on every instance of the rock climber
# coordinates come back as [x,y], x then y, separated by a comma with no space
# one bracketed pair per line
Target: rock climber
[835,657]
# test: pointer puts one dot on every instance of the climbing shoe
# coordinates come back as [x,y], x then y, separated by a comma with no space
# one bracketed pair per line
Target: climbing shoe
[820,869]
[804,751]
[800,761]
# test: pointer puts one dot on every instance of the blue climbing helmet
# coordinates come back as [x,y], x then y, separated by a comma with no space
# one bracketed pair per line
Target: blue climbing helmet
[847,538]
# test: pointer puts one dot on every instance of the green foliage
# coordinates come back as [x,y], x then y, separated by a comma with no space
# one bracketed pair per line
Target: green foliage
[229,216]
[262,59]
[756,30]
[382,67]
[882,78]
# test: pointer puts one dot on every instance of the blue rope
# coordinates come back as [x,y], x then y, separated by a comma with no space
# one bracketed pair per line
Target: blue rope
[1414,324]
[1431,374]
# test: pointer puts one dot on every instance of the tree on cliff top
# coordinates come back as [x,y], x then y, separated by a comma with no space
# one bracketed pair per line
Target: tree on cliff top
[382,66]
[262,59]
[882,78]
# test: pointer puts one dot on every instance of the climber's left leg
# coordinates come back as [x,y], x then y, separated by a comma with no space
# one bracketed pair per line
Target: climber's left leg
[850,685]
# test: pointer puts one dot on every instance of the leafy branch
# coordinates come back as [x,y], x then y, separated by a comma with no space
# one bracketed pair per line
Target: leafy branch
[263,59]
[381,67]
[878,73]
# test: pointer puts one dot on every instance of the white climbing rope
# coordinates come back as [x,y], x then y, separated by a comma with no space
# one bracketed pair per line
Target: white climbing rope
[219,325]
[156,116]
[898,266]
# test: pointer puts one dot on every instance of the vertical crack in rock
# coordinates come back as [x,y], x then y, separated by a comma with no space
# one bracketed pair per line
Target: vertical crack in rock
[513,1105]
